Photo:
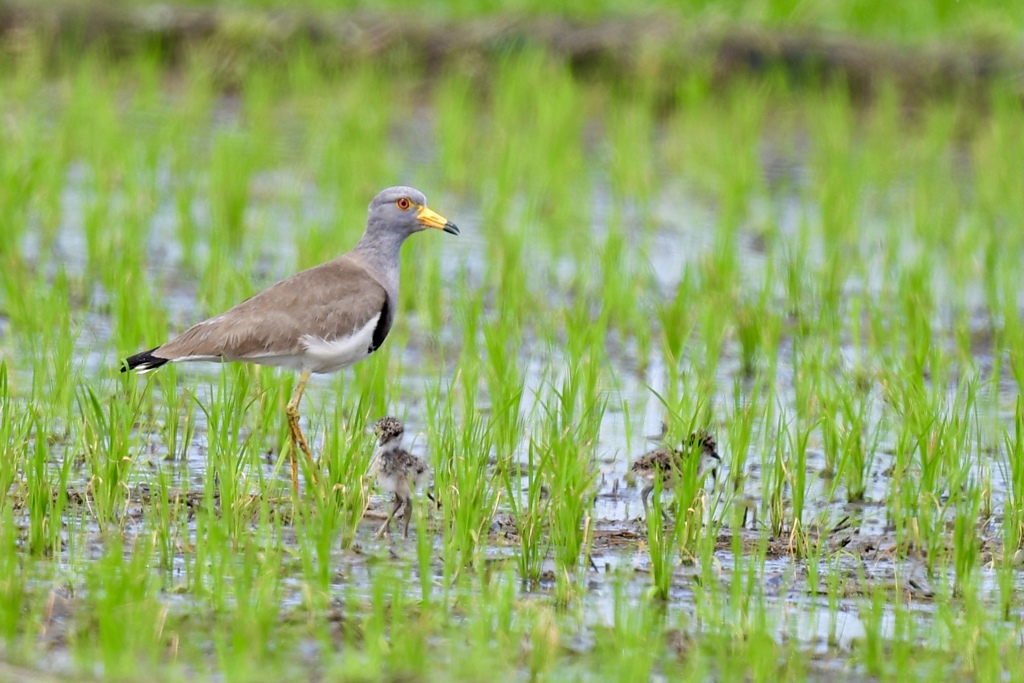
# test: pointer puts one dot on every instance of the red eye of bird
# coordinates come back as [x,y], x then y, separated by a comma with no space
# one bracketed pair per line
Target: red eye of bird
[404,203]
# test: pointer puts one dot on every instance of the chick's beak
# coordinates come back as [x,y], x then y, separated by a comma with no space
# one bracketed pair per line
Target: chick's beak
[433,219]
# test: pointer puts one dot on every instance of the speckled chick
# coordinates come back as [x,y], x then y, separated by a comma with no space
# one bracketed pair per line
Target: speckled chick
[396,470]
[668,463]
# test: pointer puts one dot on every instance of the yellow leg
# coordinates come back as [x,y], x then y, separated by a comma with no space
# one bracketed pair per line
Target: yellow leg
[298,439]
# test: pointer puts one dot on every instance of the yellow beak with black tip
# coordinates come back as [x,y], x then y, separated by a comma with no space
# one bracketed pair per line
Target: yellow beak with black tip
[433,219]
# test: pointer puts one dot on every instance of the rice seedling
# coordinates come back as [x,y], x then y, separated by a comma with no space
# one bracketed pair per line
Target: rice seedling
[464,486]
[15,432]
[107,427]
[506,386]
[529,507]
[628,646]
[573,415]
[848,451]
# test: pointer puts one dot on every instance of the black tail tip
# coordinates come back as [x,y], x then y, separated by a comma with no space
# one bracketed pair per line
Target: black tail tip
[143,362]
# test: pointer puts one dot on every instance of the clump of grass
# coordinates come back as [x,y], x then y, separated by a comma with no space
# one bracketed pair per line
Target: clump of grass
[1012,466]
[231,453]
[524,486]
[679,540]
[629,646]
[14,582]
[231,172]
[108,424]
[463,482]
[505,383]
[572,419]
[124,626]
[848,451]
[15,431]
[345,458]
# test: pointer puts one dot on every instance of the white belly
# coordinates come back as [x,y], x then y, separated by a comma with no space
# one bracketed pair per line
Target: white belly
[320,355]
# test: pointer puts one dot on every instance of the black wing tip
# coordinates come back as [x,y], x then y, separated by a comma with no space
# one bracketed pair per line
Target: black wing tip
[143,362]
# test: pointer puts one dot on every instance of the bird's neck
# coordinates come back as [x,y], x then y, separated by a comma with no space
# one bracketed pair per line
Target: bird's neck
[381,452]
[380,247]
[388,448]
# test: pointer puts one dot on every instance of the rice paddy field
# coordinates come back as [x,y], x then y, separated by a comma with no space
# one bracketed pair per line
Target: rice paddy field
[832,286]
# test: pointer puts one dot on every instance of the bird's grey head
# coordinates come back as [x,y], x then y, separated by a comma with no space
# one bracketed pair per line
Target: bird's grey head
[388,430]
[404,210]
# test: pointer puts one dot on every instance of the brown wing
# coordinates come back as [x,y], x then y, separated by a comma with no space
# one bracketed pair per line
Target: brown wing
[328,301]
